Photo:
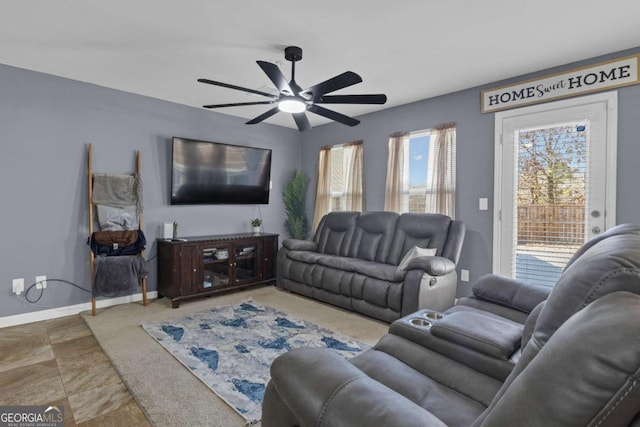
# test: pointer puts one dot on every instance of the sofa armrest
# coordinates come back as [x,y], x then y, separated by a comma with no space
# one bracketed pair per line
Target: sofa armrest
[300,245]
[510,292]
[319,387]
[484,334]
[432,265]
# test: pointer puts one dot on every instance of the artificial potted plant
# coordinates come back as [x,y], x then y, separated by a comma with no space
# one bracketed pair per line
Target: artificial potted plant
[256,223]
[294,196]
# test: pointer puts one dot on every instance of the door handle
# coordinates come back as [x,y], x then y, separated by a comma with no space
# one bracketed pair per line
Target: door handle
[595,230]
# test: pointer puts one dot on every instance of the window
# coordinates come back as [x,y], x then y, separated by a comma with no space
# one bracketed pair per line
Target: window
[417,179]
[421,171]
[339,180]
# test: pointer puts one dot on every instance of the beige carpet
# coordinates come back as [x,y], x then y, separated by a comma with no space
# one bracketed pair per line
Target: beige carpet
[165,390]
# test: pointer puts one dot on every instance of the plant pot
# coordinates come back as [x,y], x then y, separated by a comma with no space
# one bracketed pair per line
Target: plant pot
[257,230]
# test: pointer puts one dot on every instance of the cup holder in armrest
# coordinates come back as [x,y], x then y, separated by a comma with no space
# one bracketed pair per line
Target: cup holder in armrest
[418,321]
[424,318]
[433,315]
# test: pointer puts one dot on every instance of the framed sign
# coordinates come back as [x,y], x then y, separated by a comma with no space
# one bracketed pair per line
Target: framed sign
[592,78]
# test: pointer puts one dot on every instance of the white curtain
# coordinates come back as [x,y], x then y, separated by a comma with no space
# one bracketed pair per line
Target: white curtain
[397,173]
[323,187]
[441,183]
[348,180]
[354,188]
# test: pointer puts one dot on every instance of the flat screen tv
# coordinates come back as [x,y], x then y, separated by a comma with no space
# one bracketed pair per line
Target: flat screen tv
[214,173]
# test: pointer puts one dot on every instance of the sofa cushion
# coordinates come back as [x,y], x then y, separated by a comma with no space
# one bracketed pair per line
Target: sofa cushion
[304,256]
[612,264]
[586,374]
[510,292]
[335,233]
[372,269]
[453,392]
[373,235]
[418,229]
[300,245]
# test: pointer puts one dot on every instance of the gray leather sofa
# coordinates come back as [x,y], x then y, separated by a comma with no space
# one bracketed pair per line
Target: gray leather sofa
[352,262]
[579,364]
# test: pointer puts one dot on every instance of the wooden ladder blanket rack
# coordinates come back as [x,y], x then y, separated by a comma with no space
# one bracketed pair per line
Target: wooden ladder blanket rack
[91,222]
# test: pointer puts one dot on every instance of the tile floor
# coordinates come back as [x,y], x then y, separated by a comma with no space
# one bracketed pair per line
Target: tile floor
[59,362]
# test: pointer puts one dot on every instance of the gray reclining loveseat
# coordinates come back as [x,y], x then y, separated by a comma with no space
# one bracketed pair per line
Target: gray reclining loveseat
[353,259]
[579,364]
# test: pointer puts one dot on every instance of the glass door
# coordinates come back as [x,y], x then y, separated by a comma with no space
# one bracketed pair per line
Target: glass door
[556,166]
[216,267]
[246,262]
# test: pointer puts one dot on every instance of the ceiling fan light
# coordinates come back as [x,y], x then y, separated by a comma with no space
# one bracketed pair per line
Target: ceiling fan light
[292,106]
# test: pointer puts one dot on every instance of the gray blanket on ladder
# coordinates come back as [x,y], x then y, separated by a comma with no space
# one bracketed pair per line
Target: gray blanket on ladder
[114,275]
[117,190]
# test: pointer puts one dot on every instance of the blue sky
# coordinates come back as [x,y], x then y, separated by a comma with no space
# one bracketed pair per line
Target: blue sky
[418,160]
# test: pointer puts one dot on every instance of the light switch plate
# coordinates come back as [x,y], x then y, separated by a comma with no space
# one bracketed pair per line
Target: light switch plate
[483,204]
[464,275]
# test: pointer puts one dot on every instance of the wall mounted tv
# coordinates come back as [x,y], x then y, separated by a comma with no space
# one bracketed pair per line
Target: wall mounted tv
[213,173]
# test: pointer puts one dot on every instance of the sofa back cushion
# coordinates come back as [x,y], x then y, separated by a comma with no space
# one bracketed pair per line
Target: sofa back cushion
[335,233]
[608,268]
[424,230]
[584,375]
[610,263]
[373,235]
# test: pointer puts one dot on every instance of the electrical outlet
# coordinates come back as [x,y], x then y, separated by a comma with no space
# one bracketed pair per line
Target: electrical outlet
[464,275]
[41,282]
[18,286]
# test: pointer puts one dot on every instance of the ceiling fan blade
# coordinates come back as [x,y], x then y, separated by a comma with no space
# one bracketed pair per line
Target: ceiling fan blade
[275,75]
[244,89]
[352,99]
[302,121]
[263,116]
[333,115]
[237,104]
[346,79]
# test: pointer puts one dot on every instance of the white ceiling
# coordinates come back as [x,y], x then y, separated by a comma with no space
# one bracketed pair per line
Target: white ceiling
[409,49]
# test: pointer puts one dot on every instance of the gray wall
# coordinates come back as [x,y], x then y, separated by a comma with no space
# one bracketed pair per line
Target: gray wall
[45,125]
[475,156]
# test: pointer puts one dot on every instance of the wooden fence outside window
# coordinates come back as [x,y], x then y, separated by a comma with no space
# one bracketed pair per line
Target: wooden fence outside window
[551,224]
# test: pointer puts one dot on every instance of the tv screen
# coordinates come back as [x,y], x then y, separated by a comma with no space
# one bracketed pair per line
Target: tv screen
[214,173]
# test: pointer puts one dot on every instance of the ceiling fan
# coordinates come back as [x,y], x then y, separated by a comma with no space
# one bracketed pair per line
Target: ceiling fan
[295,100]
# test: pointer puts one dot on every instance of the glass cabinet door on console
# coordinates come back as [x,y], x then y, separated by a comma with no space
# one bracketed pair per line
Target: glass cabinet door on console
[216,266]
[245,264]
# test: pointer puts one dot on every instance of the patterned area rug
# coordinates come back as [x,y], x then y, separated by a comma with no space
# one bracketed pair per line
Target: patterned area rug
[231,348]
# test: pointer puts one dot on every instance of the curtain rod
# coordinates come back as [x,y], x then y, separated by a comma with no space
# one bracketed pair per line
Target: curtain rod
[346,144]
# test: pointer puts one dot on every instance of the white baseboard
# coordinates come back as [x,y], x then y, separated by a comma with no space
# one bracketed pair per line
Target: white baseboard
[69,310]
